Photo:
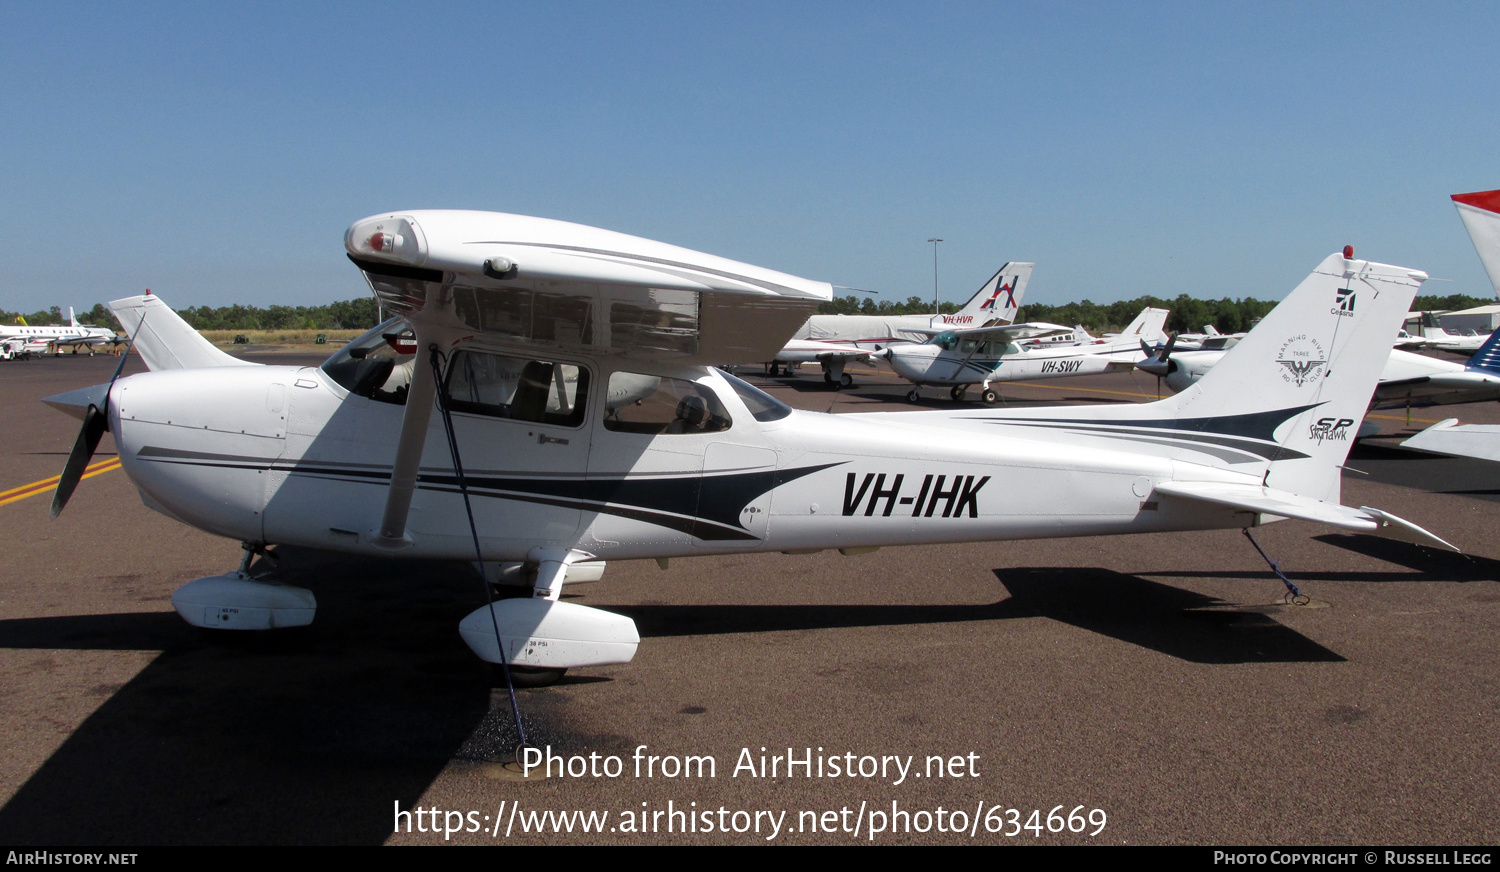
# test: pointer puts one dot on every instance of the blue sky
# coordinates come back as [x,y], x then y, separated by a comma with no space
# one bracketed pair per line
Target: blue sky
[216,152]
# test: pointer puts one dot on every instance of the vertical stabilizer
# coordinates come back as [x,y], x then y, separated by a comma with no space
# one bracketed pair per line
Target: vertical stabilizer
[998,300]
[1307,371]
[1149,326]
[1480,212]
[1487,358]
[166,341]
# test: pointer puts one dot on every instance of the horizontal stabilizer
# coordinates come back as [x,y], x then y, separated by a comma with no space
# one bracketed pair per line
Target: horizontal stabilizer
[1399,528]
[1269,501]
[1480,441]
[1006,332]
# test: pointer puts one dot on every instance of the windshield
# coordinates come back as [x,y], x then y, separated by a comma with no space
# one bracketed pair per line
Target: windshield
[945,340]
[378,364]
[763,407]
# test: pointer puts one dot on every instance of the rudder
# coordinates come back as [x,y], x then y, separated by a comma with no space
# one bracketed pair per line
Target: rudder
[166,341]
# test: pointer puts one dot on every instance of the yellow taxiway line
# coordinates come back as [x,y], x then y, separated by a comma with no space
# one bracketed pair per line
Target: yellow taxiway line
[47,484]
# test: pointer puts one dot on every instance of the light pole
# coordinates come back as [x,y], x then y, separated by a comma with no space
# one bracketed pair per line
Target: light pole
[937,307]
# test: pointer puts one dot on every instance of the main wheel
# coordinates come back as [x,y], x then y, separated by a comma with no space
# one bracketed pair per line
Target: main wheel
[912,396]
[990,397]
[846,381]
[529,676]
[957,393]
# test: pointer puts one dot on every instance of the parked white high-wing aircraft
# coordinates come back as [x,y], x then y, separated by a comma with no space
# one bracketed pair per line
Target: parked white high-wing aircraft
[1439,339]
[496,433]
[1406,378]
[1480,212]
[834,341]
[72,334]
[982,355]
[1479,441]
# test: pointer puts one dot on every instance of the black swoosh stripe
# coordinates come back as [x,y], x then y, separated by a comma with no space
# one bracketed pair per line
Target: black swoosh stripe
[719,498]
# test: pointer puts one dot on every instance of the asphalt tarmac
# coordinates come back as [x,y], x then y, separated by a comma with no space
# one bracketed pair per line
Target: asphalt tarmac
[1155,688]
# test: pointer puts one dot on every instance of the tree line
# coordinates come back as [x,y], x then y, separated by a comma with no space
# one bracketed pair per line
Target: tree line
[360,314]
[1189,314]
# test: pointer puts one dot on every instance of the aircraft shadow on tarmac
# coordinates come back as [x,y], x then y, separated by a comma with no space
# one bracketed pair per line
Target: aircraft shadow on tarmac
[1427,472]
[1183,624]
[1428,564]
[307,737]
[310,735]
[1175,622]
[1422,564]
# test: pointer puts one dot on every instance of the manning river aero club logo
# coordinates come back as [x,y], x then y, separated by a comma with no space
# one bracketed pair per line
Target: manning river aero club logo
[1303,358]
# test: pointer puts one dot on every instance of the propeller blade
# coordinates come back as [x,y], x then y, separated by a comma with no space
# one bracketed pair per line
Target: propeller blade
[1166,353]
[94,424]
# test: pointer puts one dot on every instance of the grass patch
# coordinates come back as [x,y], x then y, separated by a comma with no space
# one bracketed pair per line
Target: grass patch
[225,338]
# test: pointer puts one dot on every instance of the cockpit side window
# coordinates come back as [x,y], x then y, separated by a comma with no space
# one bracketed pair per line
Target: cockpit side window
[522,389]
[653,405]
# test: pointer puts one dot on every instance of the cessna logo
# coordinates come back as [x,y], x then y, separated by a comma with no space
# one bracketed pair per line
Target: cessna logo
[1331,429]
[872,493]
[1303,359]
[1345,308]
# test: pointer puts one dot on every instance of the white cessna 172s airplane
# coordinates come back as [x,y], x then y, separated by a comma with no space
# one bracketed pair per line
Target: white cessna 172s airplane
[553,408]
[834,341]
[958,358]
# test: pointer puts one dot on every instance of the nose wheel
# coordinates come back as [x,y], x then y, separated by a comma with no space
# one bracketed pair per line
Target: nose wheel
[912,396]
[990,397]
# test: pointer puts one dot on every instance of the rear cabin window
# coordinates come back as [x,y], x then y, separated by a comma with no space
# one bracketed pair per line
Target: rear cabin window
[519,388]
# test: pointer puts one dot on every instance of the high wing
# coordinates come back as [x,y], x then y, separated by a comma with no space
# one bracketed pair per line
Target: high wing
[1007,332]
[540,282]
[519,281]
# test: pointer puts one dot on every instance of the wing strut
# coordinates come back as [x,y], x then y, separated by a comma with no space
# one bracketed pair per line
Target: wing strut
[419,399]
[435,366]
